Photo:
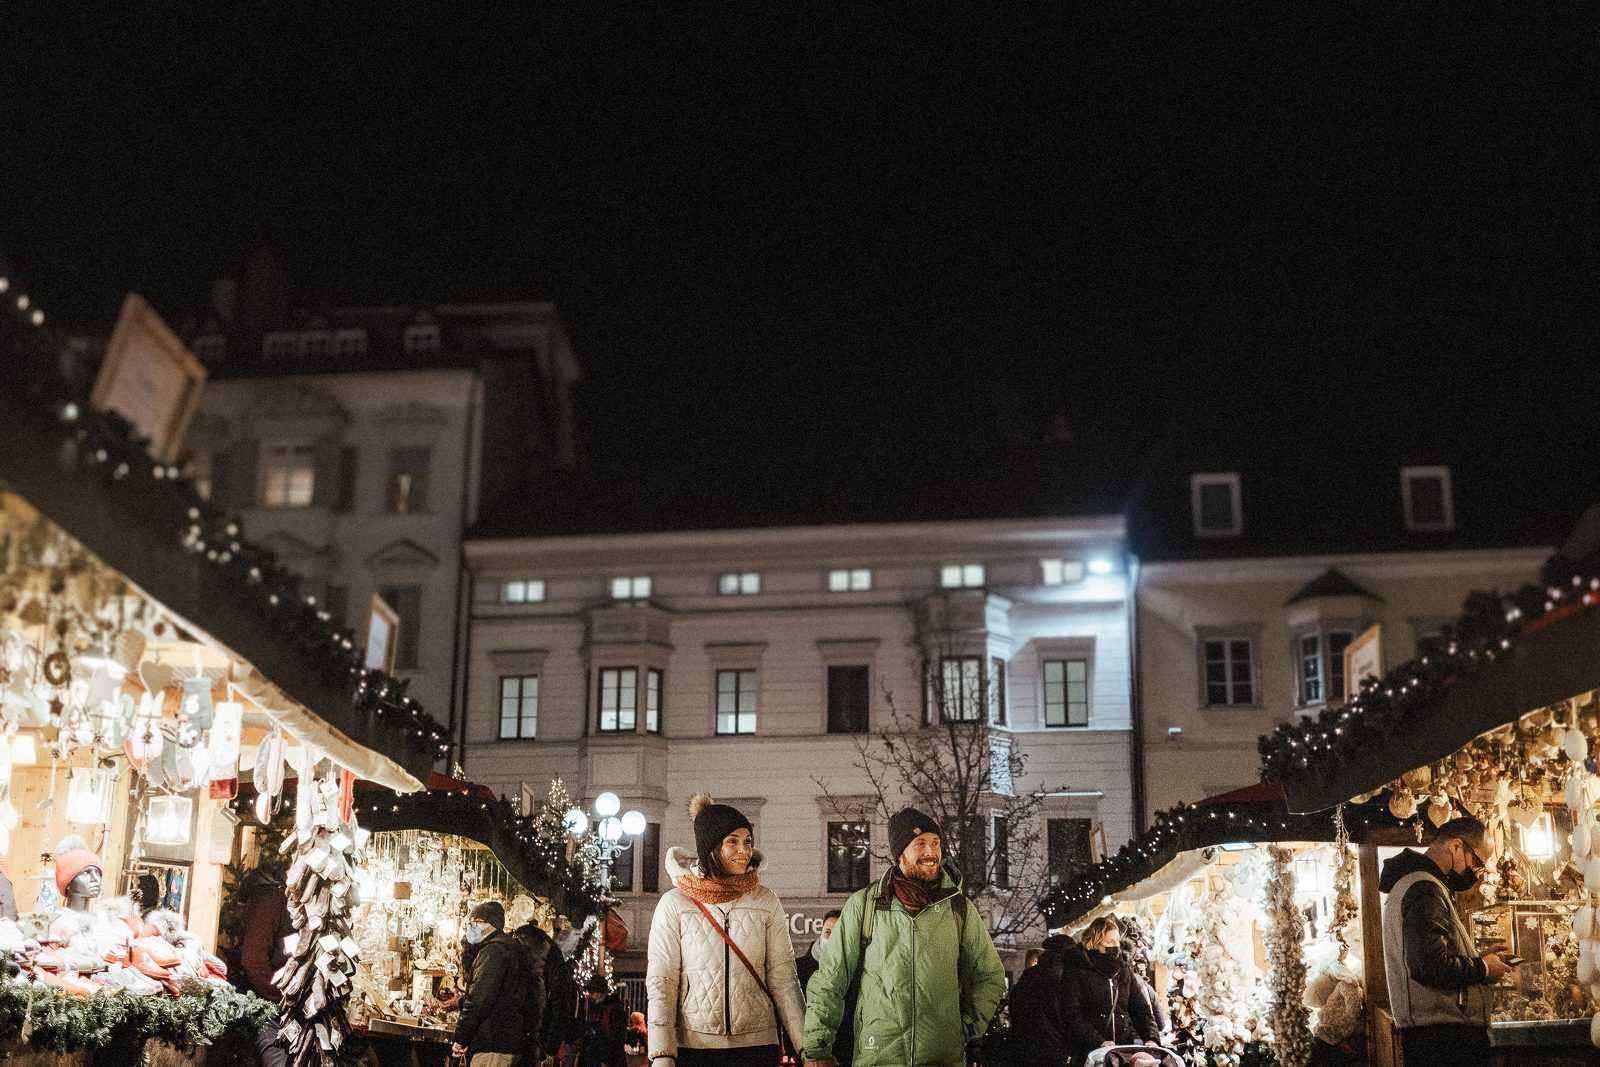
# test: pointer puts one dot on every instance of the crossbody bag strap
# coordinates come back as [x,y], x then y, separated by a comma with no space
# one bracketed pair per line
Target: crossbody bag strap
[777,1016]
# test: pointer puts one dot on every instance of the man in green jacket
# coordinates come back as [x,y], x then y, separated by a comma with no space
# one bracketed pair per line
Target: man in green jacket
[929,977]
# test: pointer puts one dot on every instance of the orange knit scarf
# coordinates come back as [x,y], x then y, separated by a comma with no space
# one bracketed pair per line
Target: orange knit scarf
[717,890]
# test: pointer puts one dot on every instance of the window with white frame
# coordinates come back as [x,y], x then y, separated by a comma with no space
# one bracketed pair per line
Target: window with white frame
[961,576]
[1061,571]
[1425,492]
[633,587]
[1000,829]
[849,856]
[288,474]
[1214,499]
[421,338]
[850,580]
[522,591]
[652,700]
[1066,692]
[519,707]
[1069,847]
[739,583]
[736,702]
[1319,663]
[619,700]
[1229,671]
[956,689]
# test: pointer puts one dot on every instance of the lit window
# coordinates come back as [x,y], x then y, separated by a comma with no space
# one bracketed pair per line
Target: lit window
[961,576]
[1061,571]
[736,702]
[849,856]
[652,701]
[288,475]
[957,689]
[406,600]
[280,345]
[1425,492]
[350,342]
[743,583]
[523,591]
[850,580]
[421,338]
[1214,499]
[1066,692]
[519,707]
[408,480]
[619,700]
[634,587]
[1230,671]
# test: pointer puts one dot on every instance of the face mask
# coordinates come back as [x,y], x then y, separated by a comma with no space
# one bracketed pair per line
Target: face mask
[476,932]
[1461,881]
[1112,953]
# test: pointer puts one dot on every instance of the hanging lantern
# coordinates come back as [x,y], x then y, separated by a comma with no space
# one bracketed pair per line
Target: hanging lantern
[89,795]
[170,821]
[1538,837]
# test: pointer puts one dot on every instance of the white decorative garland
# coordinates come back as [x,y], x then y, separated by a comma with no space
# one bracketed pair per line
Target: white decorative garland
[1291,1022]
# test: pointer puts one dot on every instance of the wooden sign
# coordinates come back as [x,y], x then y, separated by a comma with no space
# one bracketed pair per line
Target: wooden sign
[150,378]
[1363,658]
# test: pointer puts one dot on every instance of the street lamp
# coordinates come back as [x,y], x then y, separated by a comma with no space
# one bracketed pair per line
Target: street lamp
[614,835]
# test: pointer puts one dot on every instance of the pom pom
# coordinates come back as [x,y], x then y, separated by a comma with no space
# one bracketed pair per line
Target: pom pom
[697,804]
[70,842]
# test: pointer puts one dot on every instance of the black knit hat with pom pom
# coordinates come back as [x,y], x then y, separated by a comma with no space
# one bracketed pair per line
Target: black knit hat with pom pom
[712,823]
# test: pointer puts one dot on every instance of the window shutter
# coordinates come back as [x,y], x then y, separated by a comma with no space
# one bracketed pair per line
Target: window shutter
[325,490]
[349,458]
[243,463]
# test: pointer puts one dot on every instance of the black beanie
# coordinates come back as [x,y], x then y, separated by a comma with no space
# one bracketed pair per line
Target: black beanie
[712,823]
[490,912]
[905,826]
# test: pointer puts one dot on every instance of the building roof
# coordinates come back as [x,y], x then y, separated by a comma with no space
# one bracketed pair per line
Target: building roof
[1300,498]
[584,501]
[1331,582]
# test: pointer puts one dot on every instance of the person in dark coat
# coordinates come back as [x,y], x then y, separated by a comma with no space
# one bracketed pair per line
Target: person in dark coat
[605,1026]
[538,946]
[261,952]
[1038,1033]
[1101,1003]
[494,1027]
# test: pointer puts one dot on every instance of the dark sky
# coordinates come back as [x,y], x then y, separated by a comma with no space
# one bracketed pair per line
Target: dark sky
[857,236]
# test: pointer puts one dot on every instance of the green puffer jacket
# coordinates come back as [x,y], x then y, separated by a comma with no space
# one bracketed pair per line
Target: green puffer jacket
[931,982]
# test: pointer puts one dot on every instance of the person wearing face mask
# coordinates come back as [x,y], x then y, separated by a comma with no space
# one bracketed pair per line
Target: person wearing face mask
[1440,988]
[494,1029]
[807,965]
[1101,1001]
[721,978]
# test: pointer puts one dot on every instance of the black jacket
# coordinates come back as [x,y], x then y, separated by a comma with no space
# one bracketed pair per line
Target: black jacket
[1100,1003]
[1038,1023]
[494,1016]
[539,949]
[805,965]
[1428,918]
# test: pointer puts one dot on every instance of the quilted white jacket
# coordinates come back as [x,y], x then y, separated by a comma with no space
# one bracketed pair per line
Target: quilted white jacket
[700,995]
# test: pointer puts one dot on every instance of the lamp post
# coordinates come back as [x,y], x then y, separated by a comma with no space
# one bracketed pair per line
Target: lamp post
[614,834]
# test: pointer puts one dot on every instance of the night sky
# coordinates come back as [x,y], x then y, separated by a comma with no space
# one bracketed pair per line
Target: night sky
[854,236]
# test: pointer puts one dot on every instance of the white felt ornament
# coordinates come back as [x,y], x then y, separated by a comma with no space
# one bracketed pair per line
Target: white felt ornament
[1591,874]
[1575,791]
[1586,971]
[1594,1031]
[1583,922]
[1581,837]
[1575,745]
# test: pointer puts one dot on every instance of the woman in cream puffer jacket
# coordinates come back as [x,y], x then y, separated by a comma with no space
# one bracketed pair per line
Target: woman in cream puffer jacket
[705,1007]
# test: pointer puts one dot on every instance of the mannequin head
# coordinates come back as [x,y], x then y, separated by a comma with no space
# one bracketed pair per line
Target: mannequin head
[79,873]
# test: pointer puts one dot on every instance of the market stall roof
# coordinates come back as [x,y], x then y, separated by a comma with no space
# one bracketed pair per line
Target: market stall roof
[86,472]
[1248,815]
[1504,657]
[452,806]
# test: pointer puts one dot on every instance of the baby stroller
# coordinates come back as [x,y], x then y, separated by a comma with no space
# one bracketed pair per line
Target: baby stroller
[1133,1056]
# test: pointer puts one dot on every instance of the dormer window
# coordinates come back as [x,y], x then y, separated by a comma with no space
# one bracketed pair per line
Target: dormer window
[1425,494]
[1214,499]
[420,338]
[350,342]
[280,344]
[211,347]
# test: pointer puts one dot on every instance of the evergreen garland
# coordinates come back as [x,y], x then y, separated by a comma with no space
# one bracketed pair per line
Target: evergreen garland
[205,1015]
[1291,1021]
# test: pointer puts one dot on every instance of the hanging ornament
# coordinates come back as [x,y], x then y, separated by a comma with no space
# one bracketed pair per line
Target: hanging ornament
[144,739]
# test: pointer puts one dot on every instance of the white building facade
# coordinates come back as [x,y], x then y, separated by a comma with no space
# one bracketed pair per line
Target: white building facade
[1249,597]
[751,663]
[360,443]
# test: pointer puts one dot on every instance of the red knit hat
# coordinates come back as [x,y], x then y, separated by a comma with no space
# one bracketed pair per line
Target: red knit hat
[72,863]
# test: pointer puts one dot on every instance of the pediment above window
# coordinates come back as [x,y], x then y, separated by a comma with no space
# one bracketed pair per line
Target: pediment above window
[401,559]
